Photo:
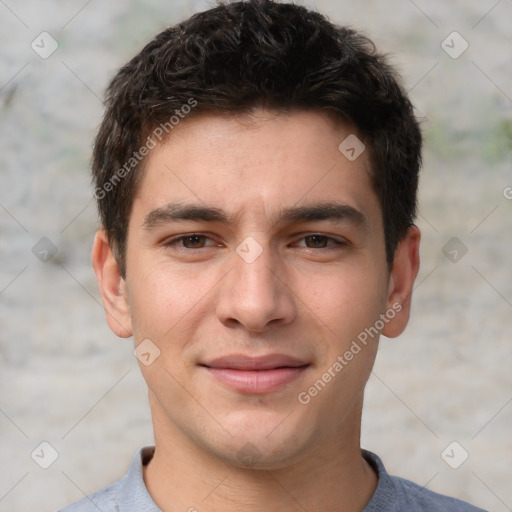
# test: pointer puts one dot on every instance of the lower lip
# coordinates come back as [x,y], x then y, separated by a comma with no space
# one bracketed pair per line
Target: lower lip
[256,381]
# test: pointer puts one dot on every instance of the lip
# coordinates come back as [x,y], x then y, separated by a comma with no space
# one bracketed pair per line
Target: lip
[243,362]
[256,375]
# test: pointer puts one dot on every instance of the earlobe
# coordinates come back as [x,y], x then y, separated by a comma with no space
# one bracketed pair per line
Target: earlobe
[112,286]
[401,281]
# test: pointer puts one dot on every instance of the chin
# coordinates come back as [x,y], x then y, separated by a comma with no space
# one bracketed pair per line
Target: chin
[265,441]
[269,456]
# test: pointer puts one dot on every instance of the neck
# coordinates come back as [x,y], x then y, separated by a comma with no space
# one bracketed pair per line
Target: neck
[333,477]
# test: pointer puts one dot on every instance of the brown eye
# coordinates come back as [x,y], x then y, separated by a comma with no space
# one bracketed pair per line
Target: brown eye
[316,241]
[320,241]
[193,241]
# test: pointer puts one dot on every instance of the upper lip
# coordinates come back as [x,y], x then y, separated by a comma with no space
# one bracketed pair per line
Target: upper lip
[243,362]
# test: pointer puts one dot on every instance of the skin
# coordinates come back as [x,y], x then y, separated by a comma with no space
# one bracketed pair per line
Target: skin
[304,296]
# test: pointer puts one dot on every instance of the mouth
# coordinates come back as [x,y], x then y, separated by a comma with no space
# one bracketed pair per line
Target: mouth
[256,375]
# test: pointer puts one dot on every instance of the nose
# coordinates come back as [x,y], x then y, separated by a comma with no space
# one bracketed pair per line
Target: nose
[255,294]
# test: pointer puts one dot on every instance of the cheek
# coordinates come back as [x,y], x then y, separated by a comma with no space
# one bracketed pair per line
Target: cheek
[347,301]
[154,304]
[345,308]
[165,302]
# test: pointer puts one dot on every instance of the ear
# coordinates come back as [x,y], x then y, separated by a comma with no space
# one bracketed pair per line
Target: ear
[401,281]
[112,286]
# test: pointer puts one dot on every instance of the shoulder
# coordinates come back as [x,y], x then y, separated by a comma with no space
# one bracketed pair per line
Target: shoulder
[395,494]
[104,500]
[127,494]
[412,496]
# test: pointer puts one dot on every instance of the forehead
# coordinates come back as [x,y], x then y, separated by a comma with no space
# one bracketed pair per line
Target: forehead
[259,165]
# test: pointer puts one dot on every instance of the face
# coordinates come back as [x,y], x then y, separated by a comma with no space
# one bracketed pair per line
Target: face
[256,286]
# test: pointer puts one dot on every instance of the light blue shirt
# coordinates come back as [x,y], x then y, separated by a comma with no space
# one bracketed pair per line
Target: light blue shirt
[393,494]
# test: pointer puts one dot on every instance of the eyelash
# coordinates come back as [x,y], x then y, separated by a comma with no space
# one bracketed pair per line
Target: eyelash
[173,242]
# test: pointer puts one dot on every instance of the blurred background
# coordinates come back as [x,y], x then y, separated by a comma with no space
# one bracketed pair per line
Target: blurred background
[439,402]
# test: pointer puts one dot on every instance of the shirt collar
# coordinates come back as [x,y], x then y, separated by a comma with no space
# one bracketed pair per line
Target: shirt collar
[133,495]
[385,491]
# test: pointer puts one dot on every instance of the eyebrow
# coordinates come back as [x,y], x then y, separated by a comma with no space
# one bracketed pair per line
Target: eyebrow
[331,211]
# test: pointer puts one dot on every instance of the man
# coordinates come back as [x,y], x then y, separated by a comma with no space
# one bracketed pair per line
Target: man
[256,176]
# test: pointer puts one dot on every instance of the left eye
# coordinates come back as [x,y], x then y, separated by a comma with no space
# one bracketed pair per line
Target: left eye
[320,241]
